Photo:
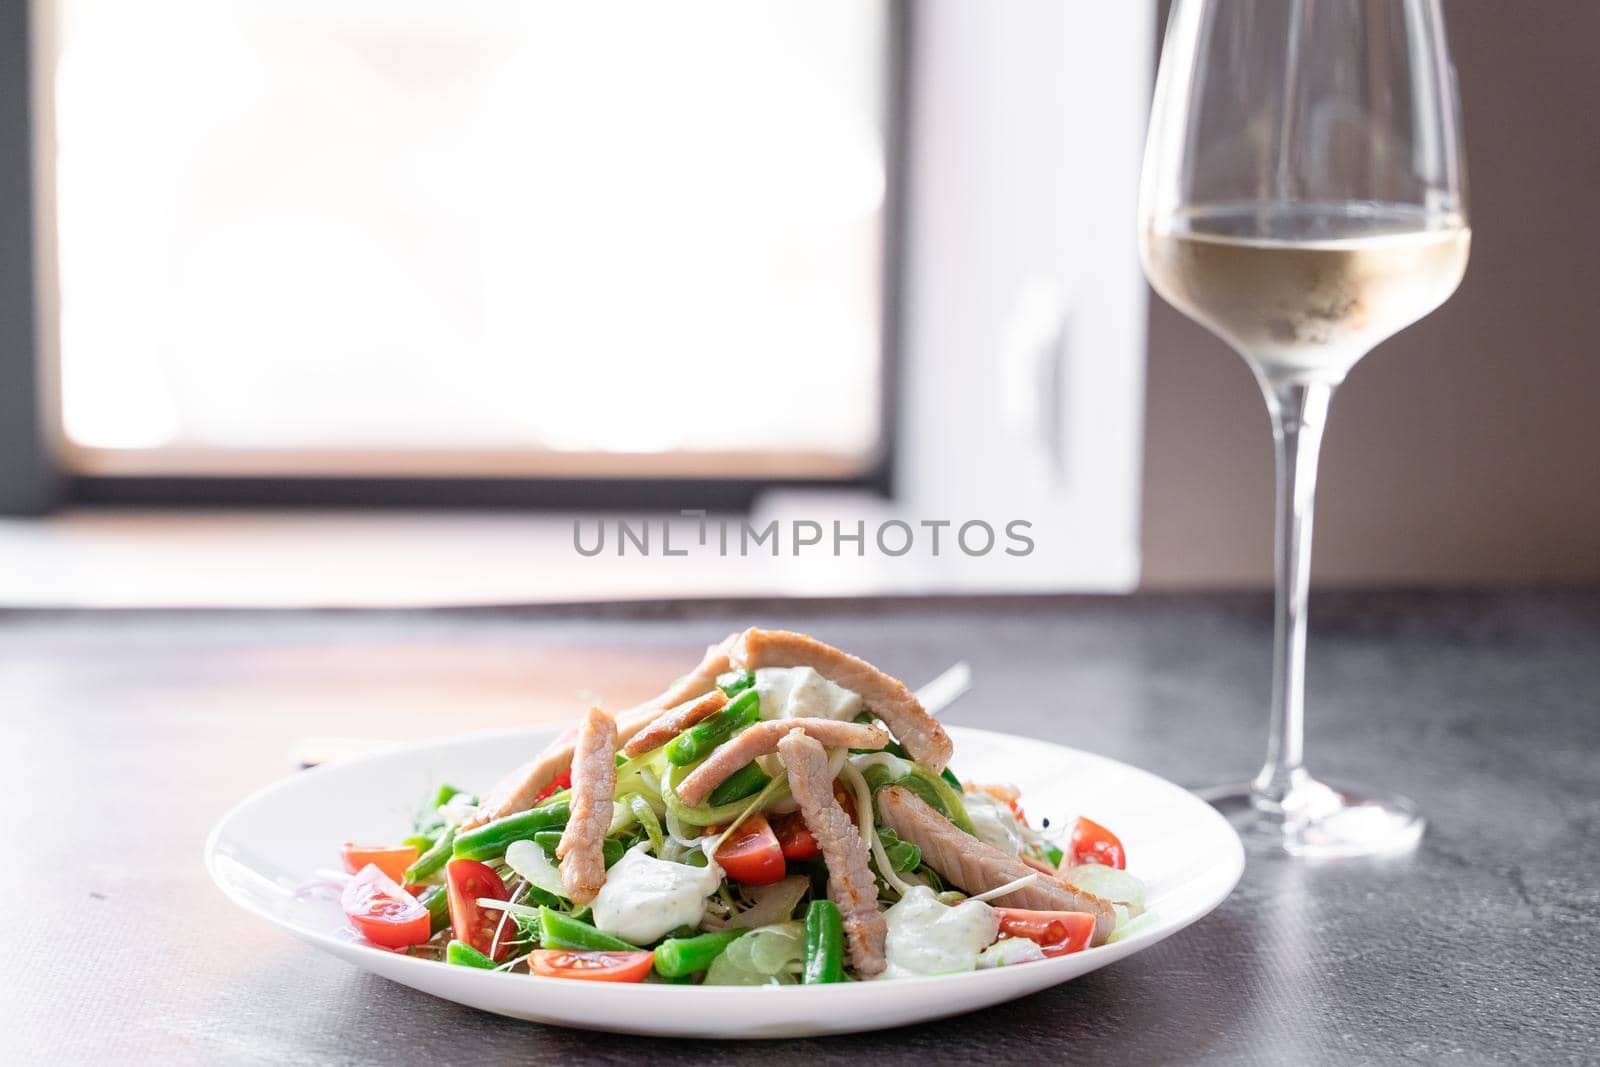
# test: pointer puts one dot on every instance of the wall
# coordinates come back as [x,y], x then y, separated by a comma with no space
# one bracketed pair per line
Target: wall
[1466,449]
[1021,271]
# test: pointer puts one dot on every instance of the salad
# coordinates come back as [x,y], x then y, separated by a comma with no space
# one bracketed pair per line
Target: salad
[783,814]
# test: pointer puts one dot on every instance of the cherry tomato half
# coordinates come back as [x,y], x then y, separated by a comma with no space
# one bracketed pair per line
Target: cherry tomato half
[469,881]
[794,837]
[592,966]
[1093,843]
[1056,932]
[390,859]
[384,913]
[752,854]
[557,784]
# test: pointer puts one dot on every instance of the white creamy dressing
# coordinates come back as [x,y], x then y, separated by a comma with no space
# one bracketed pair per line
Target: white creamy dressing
[927,937]
[994,822]
[802,693]
[644,898]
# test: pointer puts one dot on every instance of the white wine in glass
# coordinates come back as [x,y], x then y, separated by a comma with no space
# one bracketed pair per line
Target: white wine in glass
[1304,199]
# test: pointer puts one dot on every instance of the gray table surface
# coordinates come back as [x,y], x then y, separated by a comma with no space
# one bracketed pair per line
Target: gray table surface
[127,734]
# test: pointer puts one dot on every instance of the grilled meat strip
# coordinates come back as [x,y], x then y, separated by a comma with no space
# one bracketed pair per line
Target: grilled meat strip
[977,866]
[674,721]
[888,697]
[851,884]
[594,781]
[762,739]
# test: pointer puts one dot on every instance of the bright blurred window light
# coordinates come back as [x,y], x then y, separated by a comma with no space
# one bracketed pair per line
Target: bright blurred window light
[484,228]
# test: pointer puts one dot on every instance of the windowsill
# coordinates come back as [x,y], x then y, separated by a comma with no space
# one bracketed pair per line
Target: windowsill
[199,558]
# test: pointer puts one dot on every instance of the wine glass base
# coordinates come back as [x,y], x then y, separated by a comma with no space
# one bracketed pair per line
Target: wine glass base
[1320,821]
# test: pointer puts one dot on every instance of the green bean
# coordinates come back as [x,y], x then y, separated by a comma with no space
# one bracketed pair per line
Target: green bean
[493,838]
[745,782]
[824,944]
[538,897]
[708,815]
[735,682]
[680,957]
[950,776]
[699,740]
[563,931]
[549,839]
[436,898]
[442,795]
[464,955]
[432,861]
[421,842]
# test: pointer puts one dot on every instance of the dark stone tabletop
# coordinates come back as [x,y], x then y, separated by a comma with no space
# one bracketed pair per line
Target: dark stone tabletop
[128,733]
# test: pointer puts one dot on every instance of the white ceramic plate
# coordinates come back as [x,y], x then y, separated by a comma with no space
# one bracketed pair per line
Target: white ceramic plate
[1187,855]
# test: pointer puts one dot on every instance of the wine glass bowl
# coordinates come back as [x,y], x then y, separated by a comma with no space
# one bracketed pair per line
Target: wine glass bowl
[1304,198]
[1297,305]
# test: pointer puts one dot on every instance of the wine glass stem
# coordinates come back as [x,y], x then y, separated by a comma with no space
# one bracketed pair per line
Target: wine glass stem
[1299,410]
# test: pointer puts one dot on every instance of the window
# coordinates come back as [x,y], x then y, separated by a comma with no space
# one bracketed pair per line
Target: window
[484,239]
[403,253]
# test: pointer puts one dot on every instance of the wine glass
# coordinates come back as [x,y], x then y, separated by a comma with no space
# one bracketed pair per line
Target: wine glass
[1303,198]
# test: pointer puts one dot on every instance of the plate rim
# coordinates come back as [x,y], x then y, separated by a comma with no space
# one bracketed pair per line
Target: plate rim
[342,948]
